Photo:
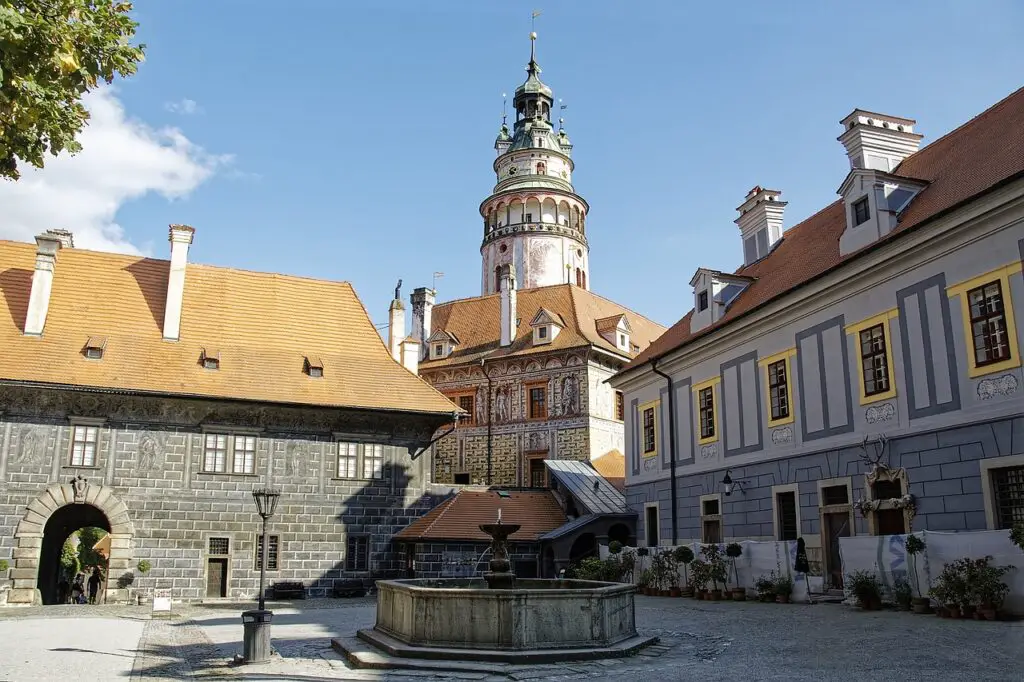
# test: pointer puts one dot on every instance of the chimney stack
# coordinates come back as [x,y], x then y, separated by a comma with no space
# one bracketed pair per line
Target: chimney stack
[507,283]
[410,349]
[878,141]
[760,222]
[48,244]
[396,328]
[180,238]
[422,305]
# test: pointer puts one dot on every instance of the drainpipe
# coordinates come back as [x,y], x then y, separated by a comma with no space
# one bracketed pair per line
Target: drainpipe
[671,445]
[489,419]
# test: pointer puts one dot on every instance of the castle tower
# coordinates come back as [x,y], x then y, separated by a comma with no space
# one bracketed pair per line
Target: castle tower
[534,220]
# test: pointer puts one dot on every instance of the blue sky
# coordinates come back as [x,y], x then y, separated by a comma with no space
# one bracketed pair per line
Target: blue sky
[354,140]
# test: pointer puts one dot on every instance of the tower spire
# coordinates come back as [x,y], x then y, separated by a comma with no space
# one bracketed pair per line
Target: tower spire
[532,67]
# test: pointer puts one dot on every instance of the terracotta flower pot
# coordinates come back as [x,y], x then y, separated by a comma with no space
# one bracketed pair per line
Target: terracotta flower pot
[988,612]
[698,594]
[921,605]
[664,593]
[782,599]
[968,610]
[739,594]
[767,598]
[687,592]
[952,611]
[674,592]
[716,595]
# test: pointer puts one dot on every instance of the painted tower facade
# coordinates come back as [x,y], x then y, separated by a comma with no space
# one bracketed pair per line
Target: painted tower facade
[534,220]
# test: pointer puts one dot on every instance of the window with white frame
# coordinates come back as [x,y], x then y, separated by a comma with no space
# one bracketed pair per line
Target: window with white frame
[373,460]
[83,445]
[215,453]
[348,460]
[245,455]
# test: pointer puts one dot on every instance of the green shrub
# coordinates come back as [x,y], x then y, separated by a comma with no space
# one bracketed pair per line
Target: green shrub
[614,546]
[4,565]
[144,566]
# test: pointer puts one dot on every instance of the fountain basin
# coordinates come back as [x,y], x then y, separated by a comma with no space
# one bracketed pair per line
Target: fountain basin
[536,615]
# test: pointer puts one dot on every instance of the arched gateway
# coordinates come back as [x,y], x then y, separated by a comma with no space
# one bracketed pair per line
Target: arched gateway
[49,519]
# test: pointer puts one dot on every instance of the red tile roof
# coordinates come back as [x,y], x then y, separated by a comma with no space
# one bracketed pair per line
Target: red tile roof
[977,157]
[459,517]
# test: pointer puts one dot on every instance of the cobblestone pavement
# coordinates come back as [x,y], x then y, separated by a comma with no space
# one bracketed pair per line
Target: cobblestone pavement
[699,640]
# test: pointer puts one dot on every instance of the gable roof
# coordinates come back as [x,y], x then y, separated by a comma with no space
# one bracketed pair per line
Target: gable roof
[476,322]
[594,493]
[977,157]
[261,325]
[545,316]
[459,517]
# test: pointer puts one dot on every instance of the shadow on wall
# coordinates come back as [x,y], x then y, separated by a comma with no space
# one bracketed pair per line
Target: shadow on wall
[16,285]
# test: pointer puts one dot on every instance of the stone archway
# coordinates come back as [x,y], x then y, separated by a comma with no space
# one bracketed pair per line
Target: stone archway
[28,537]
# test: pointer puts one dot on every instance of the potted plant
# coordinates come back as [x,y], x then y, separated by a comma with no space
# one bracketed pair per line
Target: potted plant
[987,590]
[672,572]
[902,593]
[644,581]
[1017,535]
[914,546]
[866,590]
[125,583]
[950,589]
[765,587]
[143,567]
[614,547]
[717,571]
[733,550]
[700,577]
[684,555]
[783,589]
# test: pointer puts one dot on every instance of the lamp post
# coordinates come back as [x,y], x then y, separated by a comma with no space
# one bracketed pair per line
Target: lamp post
[256,624]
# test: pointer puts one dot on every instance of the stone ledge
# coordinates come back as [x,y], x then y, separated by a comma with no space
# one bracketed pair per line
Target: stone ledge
[373,649]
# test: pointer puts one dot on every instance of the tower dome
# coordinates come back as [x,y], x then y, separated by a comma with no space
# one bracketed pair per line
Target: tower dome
[533,218]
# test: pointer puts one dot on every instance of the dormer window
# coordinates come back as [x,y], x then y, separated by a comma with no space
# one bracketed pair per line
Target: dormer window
[546,326]
[861,212]
[314,366]
[542,332]
[209,359]
[441,344]
[702,301]
[94,347]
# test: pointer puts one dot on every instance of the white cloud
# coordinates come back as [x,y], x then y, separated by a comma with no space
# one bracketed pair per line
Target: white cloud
[121,159]
[185,106]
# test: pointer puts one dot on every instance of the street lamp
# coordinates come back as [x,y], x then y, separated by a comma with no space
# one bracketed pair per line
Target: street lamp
[731,484]
[256,624]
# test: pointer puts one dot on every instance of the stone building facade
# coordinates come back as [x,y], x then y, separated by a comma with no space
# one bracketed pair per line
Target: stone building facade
[104,421]
[860,373]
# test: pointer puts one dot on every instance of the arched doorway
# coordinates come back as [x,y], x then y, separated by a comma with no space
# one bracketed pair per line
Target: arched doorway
[59,527]
[583,547]
[619,533]
[77,502]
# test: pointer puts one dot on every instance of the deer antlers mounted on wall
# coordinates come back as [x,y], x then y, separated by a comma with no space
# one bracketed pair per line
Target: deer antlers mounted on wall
[878,445]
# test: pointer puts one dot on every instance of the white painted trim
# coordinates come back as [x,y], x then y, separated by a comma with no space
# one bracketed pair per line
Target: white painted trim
[647,506]
[986,466]
[786,488]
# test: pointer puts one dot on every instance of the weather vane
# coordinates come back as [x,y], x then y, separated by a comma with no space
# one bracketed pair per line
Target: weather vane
[533,19]
[504,108]
[437,276]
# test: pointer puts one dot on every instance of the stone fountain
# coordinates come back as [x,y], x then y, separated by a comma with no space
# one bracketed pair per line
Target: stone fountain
[499,619]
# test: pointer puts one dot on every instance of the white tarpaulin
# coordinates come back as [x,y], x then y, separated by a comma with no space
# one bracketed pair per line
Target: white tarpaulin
[886,556]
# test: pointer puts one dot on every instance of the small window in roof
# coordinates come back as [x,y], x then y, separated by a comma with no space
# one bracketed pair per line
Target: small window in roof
[94,347]
[210,359]
[313,366]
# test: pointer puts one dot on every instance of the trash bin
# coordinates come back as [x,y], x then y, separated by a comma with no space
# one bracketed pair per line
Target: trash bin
[256,636]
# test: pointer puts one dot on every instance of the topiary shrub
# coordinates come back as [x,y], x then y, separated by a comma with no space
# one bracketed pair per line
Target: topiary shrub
[614,546]
[144,567]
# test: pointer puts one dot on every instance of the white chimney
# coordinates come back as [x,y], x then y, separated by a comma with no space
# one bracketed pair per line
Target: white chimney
[410,349]
[422,305]
[878,141]
[180,238]
[67,240]
[507,283]
[396,328]
[760,222]
[42,282]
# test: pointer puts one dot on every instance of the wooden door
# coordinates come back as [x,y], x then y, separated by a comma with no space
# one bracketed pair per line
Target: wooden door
[216,578]
[835,525]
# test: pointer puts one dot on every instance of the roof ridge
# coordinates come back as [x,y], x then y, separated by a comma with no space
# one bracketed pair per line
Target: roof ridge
[616,303]
[971,121]
[447,504]
[576,315]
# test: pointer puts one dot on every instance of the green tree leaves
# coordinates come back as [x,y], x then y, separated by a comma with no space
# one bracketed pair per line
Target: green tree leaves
[52,52]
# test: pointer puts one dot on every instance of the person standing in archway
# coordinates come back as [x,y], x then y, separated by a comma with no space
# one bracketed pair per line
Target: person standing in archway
[94,584]
[77,589]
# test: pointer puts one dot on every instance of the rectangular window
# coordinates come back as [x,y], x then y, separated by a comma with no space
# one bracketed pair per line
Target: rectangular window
[462,479]
[886,490]
[988,324]
[348,460]
[651,527]
[466,402]
[215,453]
[861,214]
[785,505]
[438,350]
[272,556]
[874,361]
[538,473]
[707,412]
[539,402]
[542,332]
[245,454]
[373,460]
[83,446]
[835,494]
[1008,496]
[702,301]
[357,553]
[778,390]
[620,406]
[650,431]
[219,545]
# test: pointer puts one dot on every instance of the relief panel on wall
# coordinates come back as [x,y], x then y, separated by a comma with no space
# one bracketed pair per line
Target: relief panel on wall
[929,356]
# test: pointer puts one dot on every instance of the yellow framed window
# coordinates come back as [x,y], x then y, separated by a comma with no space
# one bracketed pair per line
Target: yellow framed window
[648,413]
[778,382]
[990,331]
[873,341]
[707,411]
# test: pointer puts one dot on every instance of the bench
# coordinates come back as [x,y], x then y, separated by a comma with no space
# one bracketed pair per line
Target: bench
[349,588]
[288,590]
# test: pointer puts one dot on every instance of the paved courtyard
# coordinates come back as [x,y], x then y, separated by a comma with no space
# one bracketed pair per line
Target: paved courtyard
[699,641]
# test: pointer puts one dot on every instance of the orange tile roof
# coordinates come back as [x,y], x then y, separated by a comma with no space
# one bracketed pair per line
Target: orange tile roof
[612,465]
[476,323]
[459,517]
[262,325]
[978,156]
